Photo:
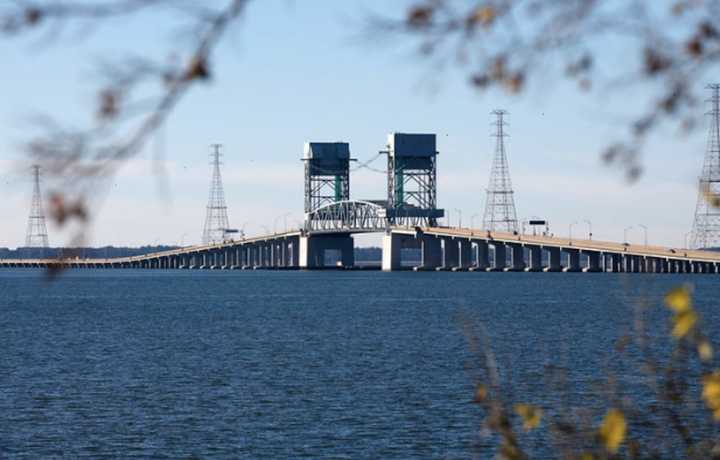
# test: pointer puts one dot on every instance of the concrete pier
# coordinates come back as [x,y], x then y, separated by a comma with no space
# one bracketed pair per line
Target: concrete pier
[573,260]
[535,253]
[312,250]
[517,254]
[451,254]
[499,258]
[554,260]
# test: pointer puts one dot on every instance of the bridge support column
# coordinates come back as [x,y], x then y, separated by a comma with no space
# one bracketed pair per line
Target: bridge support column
[535,253]
[272,254]
[450,254]
[593,265]
[257,256]
[573,258]
[500,257]
[615,263]
[627,264]
[312,250]
[391,249]
[291,252]
[517,257]
[482,258]
[554,260]
[430,252]
[660,265]
[465,253]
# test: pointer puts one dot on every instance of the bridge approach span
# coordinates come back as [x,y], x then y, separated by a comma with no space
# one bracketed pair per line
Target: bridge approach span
[440,248]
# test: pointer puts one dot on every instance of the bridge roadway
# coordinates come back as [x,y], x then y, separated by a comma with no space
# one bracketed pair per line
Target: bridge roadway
[441,248]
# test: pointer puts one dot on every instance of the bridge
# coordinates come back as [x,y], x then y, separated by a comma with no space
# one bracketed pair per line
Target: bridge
[407,218]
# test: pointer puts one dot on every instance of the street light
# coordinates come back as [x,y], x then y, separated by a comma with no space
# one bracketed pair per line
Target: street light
[472,220]
[644,233]
[459,217]
[285,216]
[687,245]
[625,234]
[570,230]
[242,228]
[589,228]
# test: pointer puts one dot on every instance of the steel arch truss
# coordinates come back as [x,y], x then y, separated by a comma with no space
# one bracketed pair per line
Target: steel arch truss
[347,216]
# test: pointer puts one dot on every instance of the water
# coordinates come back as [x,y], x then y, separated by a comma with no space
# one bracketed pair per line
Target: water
[295,364]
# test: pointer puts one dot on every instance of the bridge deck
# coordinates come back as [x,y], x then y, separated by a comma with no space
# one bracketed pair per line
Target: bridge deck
[565,244]
[575,243]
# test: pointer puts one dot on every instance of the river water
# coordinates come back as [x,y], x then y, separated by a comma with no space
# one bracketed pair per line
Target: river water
[292,364]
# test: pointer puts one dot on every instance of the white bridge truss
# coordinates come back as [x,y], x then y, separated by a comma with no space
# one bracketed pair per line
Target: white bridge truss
[347,216]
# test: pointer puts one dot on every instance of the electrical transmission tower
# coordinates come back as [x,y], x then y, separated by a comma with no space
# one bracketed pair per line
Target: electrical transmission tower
[37,236]
[500,212]
[216,219]
[706,227]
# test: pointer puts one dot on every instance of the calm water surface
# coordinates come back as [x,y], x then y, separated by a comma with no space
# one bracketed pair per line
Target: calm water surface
[296,364]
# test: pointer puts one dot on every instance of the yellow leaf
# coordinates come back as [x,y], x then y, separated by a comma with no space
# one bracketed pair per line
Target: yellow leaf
[711,392]
[705,350]
[613,430]
[480,393]
[484,15]
[530,415]
[683,323]
[679,299]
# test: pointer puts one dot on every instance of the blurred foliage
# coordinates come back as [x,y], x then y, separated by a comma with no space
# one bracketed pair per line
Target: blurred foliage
[507,44]
[674,421]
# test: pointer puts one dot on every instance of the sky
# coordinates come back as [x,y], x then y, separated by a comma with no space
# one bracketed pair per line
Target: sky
[292,72]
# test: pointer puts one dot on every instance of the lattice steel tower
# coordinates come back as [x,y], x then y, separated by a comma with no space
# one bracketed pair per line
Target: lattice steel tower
[412,179]
[37,236]
[327,173]
[706,227]
[500,212]
[216,218]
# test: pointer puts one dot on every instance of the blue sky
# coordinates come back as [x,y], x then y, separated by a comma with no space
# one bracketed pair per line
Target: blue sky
[292,72]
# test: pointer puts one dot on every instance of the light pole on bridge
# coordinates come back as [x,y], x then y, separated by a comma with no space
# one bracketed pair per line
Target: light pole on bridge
[687,244]
[645,233]
[589,224]
[472,220]
[570,230]
[625,241]
[459,212]
[285,216]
